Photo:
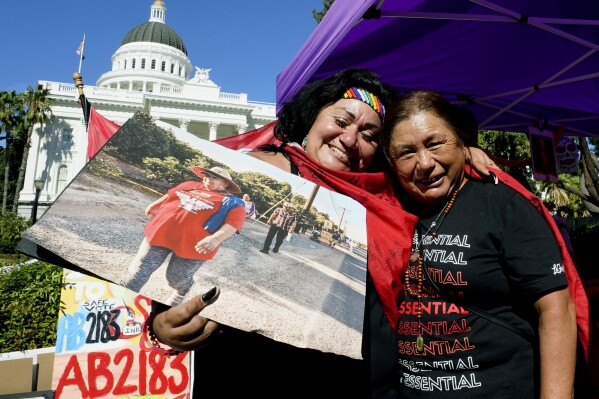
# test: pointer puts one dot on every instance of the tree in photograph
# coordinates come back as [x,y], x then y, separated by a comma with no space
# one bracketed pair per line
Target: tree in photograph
[37,111]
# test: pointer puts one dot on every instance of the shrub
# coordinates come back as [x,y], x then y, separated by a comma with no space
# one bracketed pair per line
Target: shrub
[30,297]
[12,227]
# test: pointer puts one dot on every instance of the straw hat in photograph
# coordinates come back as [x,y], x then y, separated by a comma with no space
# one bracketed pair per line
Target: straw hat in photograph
[219,172]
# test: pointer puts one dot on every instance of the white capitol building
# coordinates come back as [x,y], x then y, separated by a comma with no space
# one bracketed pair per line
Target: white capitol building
[151,72]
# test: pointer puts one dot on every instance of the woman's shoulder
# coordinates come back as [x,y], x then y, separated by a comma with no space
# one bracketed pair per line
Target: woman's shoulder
[497,196]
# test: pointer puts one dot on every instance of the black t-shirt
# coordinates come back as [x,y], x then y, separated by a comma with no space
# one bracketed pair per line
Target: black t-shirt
[248,365]
[495,251]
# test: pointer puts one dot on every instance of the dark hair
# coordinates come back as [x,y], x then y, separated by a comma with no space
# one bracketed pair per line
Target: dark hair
[297,115]
[467,121]
[417,101]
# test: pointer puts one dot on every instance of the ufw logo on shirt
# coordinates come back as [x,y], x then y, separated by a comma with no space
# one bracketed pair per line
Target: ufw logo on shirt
[558,268]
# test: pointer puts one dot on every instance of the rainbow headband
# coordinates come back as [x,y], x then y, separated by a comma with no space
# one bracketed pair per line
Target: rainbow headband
[368,98]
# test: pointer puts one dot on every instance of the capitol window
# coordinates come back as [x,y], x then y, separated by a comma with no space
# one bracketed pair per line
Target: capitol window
[133,63]
[163,67]
[66,139]
[143,63]
[61,181]
[153,65]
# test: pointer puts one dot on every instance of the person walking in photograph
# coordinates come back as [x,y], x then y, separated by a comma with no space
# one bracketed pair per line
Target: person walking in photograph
[189,223]
[282,222]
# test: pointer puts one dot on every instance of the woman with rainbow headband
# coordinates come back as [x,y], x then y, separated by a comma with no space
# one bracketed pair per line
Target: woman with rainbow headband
[329,133]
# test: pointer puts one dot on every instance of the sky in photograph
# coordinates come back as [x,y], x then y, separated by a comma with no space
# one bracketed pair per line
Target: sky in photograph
[245,43]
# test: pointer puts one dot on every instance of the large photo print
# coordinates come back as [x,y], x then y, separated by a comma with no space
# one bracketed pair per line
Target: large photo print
[171,216]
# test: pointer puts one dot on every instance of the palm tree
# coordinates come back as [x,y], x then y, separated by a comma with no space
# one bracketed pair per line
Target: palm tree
[11,105]
[37,111]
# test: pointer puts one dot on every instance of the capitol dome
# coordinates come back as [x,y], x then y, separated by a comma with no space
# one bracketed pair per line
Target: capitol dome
[152,58]
[155,32]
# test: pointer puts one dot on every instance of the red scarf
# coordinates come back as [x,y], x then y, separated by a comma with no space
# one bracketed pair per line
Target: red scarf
[390,230]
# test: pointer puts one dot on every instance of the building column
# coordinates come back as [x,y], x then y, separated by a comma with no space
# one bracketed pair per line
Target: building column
[241,128]
[213,127]
[184,123]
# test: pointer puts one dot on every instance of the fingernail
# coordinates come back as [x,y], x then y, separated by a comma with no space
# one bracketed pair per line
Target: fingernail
[209,295]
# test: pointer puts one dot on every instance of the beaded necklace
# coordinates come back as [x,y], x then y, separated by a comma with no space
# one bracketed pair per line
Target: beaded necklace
[417,258]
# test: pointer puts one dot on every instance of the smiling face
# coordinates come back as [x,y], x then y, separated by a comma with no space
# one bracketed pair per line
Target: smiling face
[428,157]
[344,136]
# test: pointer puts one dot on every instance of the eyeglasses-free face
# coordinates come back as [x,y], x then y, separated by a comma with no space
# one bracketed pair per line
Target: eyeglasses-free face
[344,136]
[428,157]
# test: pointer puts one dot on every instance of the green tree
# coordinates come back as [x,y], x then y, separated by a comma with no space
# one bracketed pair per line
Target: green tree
[11,107]
[37,106]
[319,15]
[12,227]
[568,194]
[564,202]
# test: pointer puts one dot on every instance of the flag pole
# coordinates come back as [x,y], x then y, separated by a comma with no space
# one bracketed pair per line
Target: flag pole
[80,51]
[84,103]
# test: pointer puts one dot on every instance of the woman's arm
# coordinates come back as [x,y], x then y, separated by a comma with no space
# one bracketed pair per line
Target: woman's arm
[153,207]
[479,160]
[557,340]
[210,243]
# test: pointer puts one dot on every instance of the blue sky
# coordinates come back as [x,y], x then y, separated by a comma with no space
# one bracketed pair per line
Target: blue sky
[246,43]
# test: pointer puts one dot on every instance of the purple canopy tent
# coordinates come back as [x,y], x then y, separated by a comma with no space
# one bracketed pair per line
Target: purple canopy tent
[514,63]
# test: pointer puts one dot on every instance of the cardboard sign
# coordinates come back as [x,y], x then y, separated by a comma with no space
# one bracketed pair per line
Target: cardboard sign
[100,350]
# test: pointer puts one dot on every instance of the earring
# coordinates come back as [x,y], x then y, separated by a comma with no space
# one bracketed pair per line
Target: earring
[304,143]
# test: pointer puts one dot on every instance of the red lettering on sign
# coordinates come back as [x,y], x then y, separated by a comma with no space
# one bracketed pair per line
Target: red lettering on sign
[121,387]
[143,361]
[136,373]
[77,379]
[158,381]
[177,364]
[97,367]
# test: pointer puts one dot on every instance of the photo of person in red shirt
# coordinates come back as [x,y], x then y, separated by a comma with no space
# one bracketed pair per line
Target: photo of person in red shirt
[189,223]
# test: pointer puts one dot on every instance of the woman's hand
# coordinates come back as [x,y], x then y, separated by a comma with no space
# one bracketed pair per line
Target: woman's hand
[480,161]
[207,244]
[182,328]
